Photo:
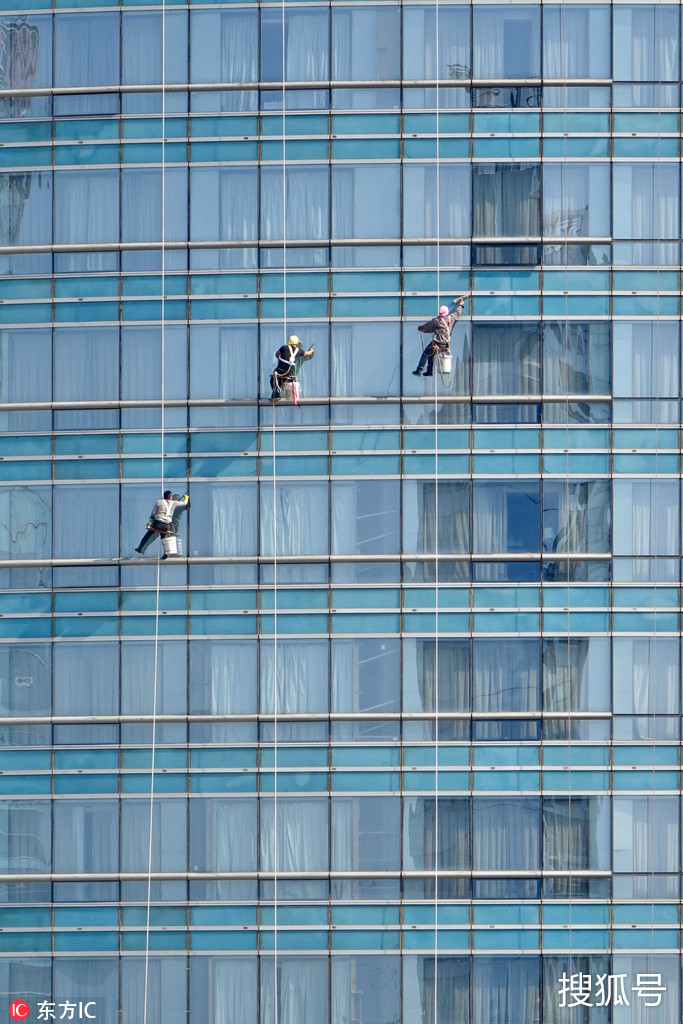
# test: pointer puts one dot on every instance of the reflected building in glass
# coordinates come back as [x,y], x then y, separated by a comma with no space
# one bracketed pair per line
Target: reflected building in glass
[399,741]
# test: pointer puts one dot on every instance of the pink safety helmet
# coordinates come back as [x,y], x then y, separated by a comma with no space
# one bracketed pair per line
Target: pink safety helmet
[443,310]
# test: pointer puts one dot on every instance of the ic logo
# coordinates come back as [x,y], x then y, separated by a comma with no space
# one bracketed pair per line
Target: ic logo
[19,1010]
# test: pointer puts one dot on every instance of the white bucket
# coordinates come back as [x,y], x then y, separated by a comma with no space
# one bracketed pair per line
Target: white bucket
[170,543]
[445,362]
[292,391]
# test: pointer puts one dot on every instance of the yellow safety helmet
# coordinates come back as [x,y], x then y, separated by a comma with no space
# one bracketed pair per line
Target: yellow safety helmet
[293,340]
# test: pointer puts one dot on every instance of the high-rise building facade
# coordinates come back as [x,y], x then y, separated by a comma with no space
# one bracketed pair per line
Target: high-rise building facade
[396,738]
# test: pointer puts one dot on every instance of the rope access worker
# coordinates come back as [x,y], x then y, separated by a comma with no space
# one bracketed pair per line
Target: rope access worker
[164,519]
[285,371]
[440,326]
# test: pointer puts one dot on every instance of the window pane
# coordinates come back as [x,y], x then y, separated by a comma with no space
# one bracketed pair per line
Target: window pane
[306,44]
[576,358]
[646,46]
[646,675]
[646,833]
[365,359]
[506,834]
[366,43]
[366,675]
[506,517]
[507,42]
[356,213]
[506,199]
[425,527]
[26,199]
[86,836]
[25,522]
[506,359]
[302,518]
[365,517]
[223,203]
[576,199]
[307,206]
[420,42]
[87,49]
[366,833]
[86,206]
[645,200]
[576,41]
[646,359]
[576,516]
[224,46]
[419,215]
[506,677]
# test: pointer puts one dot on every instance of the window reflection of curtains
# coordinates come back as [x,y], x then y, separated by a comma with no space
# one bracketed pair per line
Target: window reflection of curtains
[505,677]
[159,984]
[506,199]
[420,42]
[452,833]
[365,988]
[223,834]
[646,518]
[505,989]
[646,45]
[452,989]
[307,202]
[576,516]
[302,834]
[446,529]
[576,833]
[86,678]
[224,48]
[366,675]
[86,50]
[302,676]
[85,975]
[506,359]
[215,352]
[646,200]
[169,835]
[576,674]
[506,833]
[647,359]
[139,678]
[554,967]
[507,42]
[25,836]
[300,987]
[366,43]
[454,674]
[646,833]
[576,41]
[223,677]
[86,836]
[646,677]
[576,199]
[86,206]
[232,991]
[141,204]
[302,518]
[576,358]
[419,215]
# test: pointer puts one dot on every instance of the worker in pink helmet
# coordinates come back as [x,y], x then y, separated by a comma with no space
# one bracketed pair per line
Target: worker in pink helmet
[440,327]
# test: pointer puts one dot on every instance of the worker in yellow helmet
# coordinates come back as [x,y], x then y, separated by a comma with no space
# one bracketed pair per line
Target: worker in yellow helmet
[285,370]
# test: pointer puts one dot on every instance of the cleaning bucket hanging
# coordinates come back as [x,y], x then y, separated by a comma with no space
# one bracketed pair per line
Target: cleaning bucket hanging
[445,362]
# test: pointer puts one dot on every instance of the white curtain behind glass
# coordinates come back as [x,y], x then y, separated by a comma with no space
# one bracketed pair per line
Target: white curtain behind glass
[160,984]
[169,835]
[646,200]
[86,206]
[86,50]
[302,676]
[646,44]
[231,830]
[302,834]
[86,521]
[365,43]
[302,518]
[506,359]
[86,678]
[576,41]
[307,202]
[233,990]
[506,834]
[576,199]
[646,359]
[138,677]
[646,676]
[419,215]
[646,517]
[302,990]
[86,836]
[232,673]
[499,34]
[505,677]
[420,41]
[646,833]
[86,363]
[85,977]
[505,200]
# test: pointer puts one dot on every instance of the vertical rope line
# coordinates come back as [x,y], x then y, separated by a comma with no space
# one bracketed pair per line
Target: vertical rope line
[564,210]
[162,442]
[275,531]
[436,369]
